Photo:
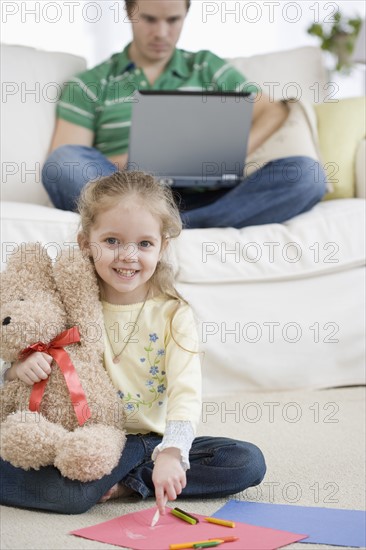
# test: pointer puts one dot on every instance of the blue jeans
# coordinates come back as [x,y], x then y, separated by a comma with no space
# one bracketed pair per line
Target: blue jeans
[219,467]
[276,192]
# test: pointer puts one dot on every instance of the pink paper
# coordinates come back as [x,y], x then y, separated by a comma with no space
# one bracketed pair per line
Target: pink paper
[135,531]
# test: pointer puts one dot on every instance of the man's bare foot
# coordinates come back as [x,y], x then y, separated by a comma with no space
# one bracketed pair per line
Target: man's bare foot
[117,491]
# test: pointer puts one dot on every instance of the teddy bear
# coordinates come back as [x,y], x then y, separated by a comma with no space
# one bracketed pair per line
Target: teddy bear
[74,419]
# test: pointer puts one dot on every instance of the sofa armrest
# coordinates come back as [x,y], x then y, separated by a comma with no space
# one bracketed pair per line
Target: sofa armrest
[360,172]
[33,80]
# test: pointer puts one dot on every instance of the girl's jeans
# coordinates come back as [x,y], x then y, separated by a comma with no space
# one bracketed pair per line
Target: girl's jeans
[218,467]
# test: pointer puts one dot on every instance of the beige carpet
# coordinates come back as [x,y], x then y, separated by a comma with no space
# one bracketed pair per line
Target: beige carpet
[313,441]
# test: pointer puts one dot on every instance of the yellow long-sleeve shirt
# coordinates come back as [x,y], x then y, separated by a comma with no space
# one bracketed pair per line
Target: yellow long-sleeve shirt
[158,376]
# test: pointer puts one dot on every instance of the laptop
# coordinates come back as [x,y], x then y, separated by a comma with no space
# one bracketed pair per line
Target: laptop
[190,139]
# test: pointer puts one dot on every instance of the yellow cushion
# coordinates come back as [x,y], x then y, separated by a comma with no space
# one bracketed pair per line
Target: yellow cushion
[341,127]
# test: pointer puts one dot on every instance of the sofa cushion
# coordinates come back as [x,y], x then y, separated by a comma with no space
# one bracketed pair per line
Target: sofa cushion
[298,73]
[23,222]
[328,238]
[298,136]
[32,81]
[341,127]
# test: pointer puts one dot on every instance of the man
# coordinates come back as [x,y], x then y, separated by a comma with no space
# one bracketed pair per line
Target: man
[94,114]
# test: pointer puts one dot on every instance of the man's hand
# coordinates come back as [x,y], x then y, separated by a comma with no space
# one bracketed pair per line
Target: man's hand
[33,369]
[168,477]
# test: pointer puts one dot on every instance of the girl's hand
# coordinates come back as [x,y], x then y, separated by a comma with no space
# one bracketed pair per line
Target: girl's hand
[168,477]
[33,369]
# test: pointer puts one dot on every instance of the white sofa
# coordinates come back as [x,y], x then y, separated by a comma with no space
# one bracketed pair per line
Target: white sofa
[279,306]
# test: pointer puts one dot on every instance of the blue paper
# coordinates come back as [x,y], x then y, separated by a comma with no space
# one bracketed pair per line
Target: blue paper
[324,525]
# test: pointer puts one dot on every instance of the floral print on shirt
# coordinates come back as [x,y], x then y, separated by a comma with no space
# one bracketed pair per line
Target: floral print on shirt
[156,383]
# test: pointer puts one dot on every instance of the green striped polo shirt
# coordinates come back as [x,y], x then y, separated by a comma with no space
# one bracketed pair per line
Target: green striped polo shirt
[101,98]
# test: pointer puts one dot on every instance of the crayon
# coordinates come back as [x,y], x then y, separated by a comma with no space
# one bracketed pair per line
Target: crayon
[192,544]
[218,521]
[208,544]
[156,518]
[184,516]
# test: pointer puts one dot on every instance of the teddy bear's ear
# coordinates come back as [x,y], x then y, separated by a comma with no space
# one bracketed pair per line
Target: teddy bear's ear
[28,270]
[78,286]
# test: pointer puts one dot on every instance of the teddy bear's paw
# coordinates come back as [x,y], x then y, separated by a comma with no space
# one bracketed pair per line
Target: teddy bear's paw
[90,452]
[27,440]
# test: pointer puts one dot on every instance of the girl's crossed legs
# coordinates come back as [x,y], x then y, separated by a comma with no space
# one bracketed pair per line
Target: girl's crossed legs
[219,467]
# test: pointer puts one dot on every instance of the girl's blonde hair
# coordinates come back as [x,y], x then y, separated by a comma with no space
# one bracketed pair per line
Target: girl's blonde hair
[102,194]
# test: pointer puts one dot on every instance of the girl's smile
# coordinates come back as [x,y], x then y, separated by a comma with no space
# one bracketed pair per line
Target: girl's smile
[126,273]
[126,245]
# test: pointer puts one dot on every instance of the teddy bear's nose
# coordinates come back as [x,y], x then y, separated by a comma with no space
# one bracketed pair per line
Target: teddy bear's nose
[6,321]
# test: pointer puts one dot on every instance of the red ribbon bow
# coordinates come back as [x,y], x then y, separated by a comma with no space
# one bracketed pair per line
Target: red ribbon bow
[56,350]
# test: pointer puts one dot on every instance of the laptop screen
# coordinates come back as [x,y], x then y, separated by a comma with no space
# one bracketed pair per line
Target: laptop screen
[190,134]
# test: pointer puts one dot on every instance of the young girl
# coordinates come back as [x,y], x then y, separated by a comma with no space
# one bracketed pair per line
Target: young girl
[151,355]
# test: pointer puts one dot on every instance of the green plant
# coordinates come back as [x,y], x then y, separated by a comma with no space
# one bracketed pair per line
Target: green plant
[339,38]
